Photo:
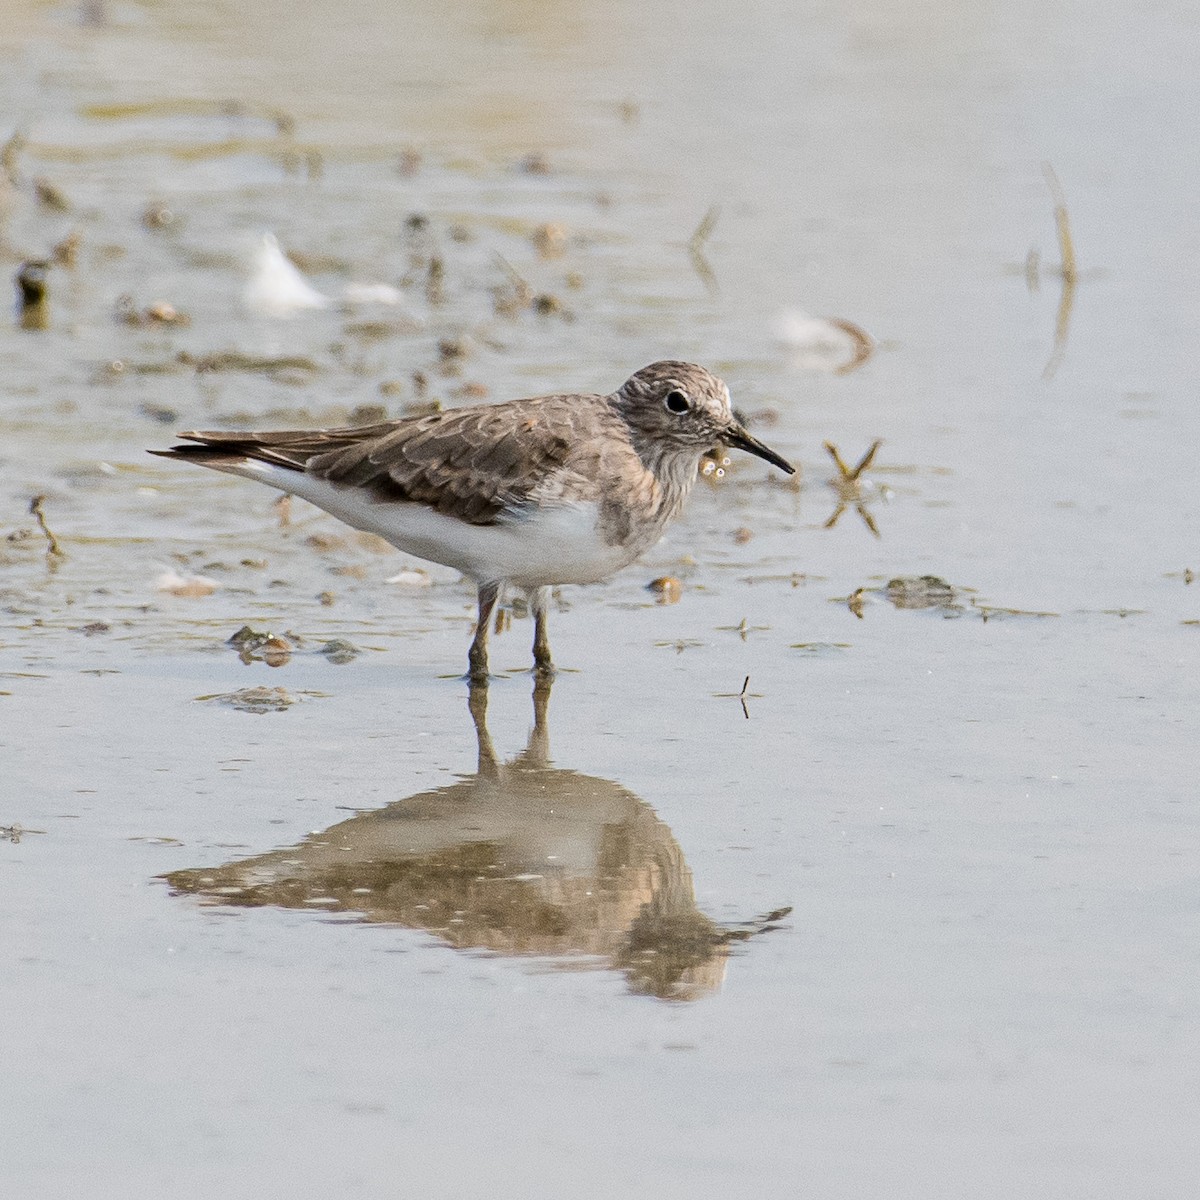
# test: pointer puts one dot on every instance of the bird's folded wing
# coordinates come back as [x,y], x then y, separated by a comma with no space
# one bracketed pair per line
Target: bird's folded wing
[473,463]
[470,463]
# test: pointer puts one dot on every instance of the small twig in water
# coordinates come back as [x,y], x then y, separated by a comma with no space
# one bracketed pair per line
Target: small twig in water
[849,487]
[851,474]
[53,549]
[704,230]
[1068,270]
[1062,220]
[741,697]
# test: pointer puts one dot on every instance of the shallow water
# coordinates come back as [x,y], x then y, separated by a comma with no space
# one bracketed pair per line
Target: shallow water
[562,979]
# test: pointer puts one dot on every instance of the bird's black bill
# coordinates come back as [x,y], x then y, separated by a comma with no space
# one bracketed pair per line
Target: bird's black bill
[737,437]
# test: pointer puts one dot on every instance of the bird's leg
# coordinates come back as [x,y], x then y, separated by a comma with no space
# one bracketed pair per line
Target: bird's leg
[477,656]
[539,601]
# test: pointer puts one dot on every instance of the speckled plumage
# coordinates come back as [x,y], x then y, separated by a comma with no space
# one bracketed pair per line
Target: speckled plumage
[534,492]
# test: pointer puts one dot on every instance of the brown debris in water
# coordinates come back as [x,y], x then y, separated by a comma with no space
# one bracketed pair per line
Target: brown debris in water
[435,281]
[246,637]
[254,645]
[235,360]
[15,832]
[339,651]
[513,297]
[549,239]
[49,196]
[65,251]
[10,152]
[323,543]
[276,652]
[158,312]
[666,588]
[372,542]
[33,295]
[54,550]
[920,591]
[989,611]
[254,699]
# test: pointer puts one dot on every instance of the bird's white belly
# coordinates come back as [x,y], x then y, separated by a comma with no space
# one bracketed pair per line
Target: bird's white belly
[553,544]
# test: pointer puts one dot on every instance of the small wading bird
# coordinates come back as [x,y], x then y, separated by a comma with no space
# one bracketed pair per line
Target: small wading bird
[532,493]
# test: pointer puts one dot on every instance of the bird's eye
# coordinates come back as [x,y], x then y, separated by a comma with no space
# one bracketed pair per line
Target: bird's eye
[677,401]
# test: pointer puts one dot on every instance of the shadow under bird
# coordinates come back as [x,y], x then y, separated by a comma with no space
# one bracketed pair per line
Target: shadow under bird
[527,494]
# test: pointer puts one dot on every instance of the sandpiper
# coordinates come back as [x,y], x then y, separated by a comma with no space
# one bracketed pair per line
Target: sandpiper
[529,494]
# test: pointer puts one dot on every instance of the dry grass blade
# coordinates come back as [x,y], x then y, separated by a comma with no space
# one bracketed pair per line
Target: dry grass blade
[704,230]
[867,459]
[839,462]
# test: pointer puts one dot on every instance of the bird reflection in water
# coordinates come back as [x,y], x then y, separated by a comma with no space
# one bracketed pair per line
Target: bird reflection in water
[521,858]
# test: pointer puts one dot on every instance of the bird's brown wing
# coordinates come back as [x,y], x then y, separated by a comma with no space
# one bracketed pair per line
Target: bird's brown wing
[472,463]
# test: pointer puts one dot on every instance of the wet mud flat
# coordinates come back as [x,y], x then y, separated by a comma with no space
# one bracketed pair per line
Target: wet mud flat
[856,839]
